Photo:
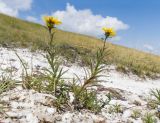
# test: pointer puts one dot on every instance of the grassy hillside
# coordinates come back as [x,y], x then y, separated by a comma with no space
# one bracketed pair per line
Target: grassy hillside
[25,34]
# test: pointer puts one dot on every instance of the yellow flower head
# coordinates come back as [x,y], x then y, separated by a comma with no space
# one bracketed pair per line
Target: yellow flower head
[109,32]
[51,21]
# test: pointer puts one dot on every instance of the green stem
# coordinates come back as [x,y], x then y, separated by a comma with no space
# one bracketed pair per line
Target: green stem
[51,36]
[23,64]
[54,88]
[50,45]
[105,42]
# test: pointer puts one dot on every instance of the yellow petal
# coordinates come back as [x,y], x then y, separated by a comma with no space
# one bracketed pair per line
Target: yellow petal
[51,21]
[109,31]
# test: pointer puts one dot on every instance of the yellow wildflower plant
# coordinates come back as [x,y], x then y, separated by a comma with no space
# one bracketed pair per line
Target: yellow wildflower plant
[109,32]
[51,21]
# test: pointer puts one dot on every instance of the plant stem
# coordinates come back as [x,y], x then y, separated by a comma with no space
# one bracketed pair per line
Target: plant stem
[51,36]
[104,43]
[50,48]
[54,88]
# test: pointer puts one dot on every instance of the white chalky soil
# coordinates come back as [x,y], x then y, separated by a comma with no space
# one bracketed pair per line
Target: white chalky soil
[27,105]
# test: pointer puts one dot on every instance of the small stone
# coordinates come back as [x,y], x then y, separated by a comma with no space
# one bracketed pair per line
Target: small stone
[126,114]
[31,118]
[5,98]
[100,121]
[12,114]
[58,118]
[51,110]
[19,88]
[137,103]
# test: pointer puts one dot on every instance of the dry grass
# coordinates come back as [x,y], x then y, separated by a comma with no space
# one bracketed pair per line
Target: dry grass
[25,34]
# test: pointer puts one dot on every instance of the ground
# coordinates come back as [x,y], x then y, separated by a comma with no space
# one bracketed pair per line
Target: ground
[28,106]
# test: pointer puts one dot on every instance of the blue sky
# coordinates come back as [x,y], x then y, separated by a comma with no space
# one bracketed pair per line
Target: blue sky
[138,21]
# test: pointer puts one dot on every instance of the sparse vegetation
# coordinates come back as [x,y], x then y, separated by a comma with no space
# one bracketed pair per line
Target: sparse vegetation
[152,104]
[158,113]
[136,114]
[155,101]
[27,79]
[6,83]
[156,94]
[149,118]
[116,108]
[87,99]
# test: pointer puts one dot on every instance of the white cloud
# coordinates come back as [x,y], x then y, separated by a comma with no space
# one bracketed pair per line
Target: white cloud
[6,10]
[151,48]
[85,22]
[32,19]
[12,7]
[148,47]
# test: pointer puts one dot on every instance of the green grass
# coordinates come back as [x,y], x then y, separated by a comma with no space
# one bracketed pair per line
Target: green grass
[16,32]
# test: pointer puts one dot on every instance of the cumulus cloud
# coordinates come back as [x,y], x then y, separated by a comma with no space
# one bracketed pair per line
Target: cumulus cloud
[85,22]
[12,7]
[148,47]
[151,48]
[32,19]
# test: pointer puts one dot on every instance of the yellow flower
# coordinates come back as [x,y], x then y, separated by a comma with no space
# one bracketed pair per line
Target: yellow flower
[51,21]
[109,32]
